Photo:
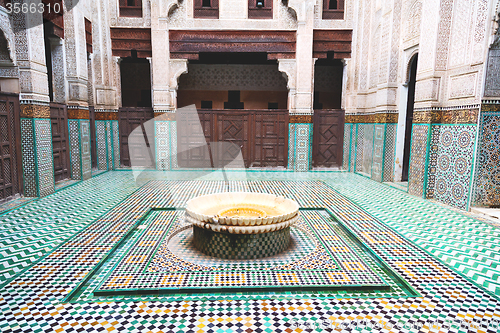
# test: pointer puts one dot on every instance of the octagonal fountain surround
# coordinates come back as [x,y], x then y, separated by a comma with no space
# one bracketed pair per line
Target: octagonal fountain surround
[241,225]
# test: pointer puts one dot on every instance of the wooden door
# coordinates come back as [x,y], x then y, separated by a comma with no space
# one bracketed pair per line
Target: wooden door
[60,141]
[271,139]
[10,147]
[260,135]
[328,137]
[233,127]
[129,119]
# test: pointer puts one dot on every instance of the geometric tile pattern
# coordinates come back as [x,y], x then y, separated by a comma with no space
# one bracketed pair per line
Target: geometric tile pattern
[467,245]
[163,144]
[85,149]
[44,156]
[360,144]
[254,246]
[418,159]
[180,246]
[487,172]
[109,145]
[353,147]
[291,146]
[390,152]
[28,158]
[450,164]
[74,148]
[101,142]
[301,134]
[173,138]
[34,301]
[347,146]
[31,231]
[368,137]
[115,144]
[378,152]
[334,262]
[14,203]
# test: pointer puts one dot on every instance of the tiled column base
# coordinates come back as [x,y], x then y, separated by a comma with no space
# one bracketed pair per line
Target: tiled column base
[79,138]
[108,147]
[166,144]
[299,146]
[240,246]
[37,157]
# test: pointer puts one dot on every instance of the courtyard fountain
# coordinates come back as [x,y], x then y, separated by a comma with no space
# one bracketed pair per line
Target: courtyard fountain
[241,225]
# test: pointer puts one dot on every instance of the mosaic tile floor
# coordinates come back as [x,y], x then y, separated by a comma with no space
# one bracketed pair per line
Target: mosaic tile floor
[332,262]
[14,203]
[50,246]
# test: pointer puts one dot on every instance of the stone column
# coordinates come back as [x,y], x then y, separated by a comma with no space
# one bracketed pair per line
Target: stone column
[165,75]
[301,90]
[77,97]
[36,133]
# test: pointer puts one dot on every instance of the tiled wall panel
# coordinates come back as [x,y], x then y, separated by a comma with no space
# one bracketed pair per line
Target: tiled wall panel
[354,134]
[360,139]
[378,152]
[389,152]
[75,148]
[116,144]
[28,158]
[487,173]
[368,148]
[450,163]
[85,149]
[163,144]
[347,146]
[300,148]
[100,133]
[418,159]
[109,145]
[44,156]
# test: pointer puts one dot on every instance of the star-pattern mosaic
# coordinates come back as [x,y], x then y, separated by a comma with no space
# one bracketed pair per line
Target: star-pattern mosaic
[487,173]
[450,160]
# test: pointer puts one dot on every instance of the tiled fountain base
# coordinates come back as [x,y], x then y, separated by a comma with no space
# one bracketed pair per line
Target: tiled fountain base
[322,256]
[56,294]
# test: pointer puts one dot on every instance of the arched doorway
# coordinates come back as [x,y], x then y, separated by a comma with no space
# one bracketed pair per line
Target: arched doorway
[241,98]
[328,122]
[412,79]
[10,135]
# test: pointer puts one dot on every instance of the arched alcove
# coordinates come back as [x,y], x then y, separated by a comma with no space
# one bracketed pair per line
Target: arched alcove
[411,81]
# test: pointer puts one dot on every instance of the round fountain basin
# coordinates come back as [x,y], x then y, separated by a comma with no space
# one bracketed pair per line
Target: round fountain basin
[241,225]
[255,208]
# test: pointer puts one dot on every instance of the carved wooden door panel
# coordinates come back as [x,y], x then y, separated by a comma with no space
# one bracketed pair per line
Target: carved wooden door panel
[10,147]
[233,127]
[260,135]
[192,149]
[271,139]
[129,119]
[328,137]
[60,141]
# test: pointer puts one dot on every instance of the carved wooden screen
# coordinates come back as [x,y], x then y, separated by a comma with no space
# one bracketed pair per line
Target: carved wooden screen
[328,137]
[333,9]
[206,9]
[260,135]
[130,8]
[260,9]
[10,147]
[60,141]
[129,119]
